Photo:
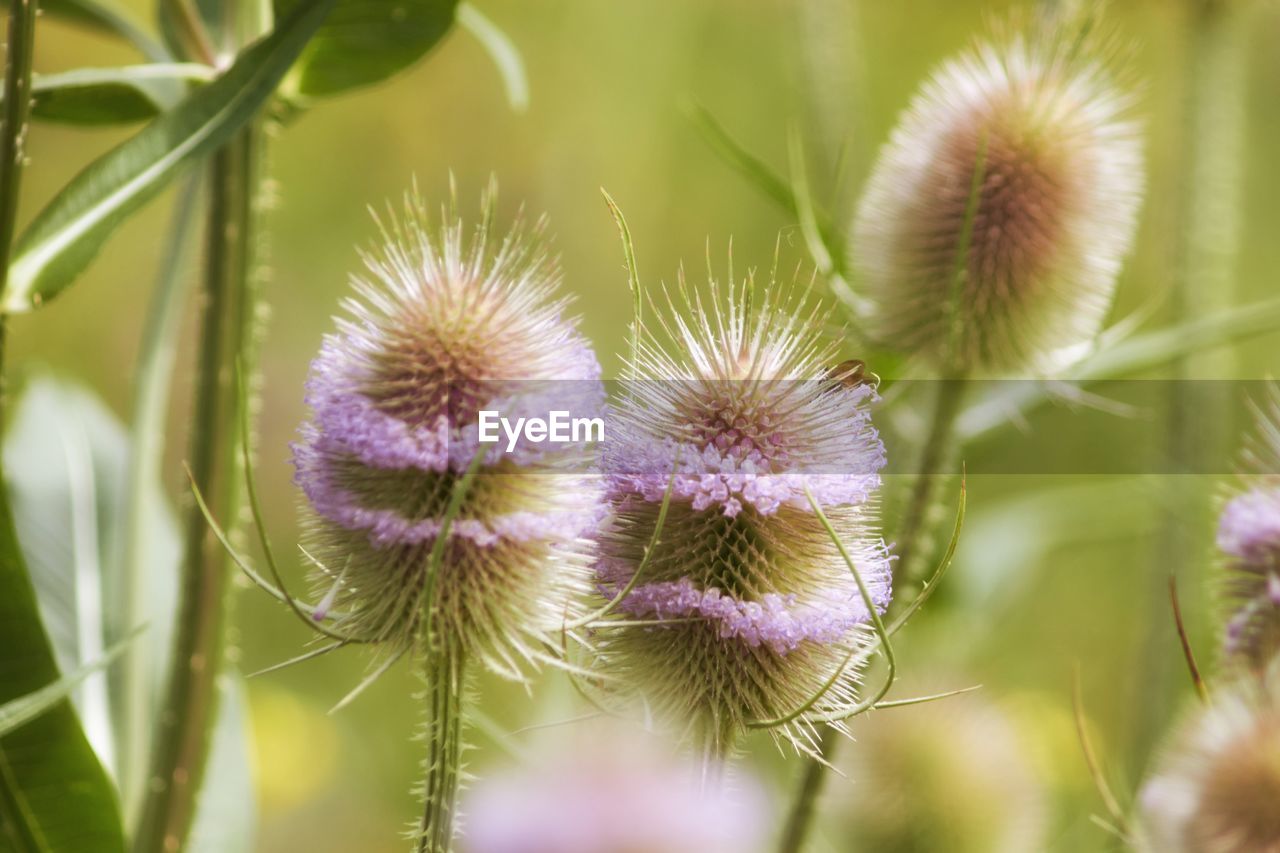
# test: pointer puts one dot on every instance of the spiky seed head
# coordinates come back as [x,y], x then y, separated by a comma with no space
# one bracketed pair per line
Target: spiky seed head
[1249,542]
[761,606]
[1217,787]
[443,324]
[997,216]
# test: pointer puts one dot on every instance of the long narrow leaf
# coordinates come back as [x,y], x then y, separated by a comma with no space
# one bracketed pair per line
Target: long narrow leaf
[54,795]
[67,234]
[1125,358]
[95,96]
[18,712]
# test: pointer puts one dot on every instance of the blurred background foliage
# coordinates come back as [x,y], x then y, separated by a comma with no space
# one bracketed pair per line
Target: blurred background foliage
[1053,570]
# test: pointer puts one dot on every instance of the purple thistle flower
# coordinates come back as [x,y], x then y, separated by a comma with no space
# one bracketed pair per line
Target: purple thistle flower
[441,327]
[1019,154]
[1217,786]
[754,608]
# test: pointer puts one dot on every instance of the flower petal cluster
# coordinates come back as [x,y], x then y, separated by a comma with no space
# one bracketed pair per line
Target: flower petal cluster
[444,324]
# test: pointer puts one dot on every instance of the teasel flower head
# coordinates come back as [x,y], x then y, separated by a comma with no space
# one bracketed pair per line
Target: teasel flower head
[726,438]
[444,324]
[998,214]
[1249,543]
[1217,786]
[614,789]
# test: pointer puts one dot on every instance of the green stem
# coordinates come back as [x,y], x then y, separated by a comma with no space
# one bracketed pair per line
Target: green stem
[1197,432]
[800,820]
[912,539]
[189,710]
[445,673]
[144,493]
[17,110]
[915,529]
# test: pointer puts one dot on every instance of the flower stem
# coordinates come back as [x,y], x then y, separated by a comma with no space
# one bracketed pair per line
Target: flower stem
[153,374]
[189,710]
[915,529]
[1197,431]
[912,540]
[20,49]
[800,819]
[445,674]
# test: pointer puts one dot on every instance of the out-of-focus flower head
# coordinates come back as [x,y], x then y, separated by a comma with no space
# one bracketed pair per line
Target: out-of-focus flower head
[444,324]
[757,608]
[615,791]
[950,775]
[997,217]
[1249,541]
[1217,787]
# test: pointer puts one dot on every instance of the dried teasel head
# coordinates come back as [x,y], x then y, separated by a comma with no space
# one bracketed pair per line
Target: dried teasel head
[997,216]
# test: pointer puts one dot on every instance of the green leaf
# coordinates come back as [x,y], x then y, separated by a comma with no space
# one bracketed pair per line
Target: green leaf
[93,96]
[19,712]
[1123,358]
[67,234]
[54,794]
[106,17]
[365,42]
[68,457]
[734,155]
[69,460]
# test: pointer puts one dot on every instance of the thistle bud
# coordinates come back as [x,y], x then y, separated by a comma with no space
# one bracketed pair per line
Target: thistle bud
[736,426]
[442,327]
[1217,786]
[997,216]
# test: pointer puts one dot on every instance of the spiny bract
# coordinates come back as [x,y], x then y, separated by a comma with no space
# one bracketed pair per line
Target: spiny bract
[760,608]
[441,327]
[1018,156]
